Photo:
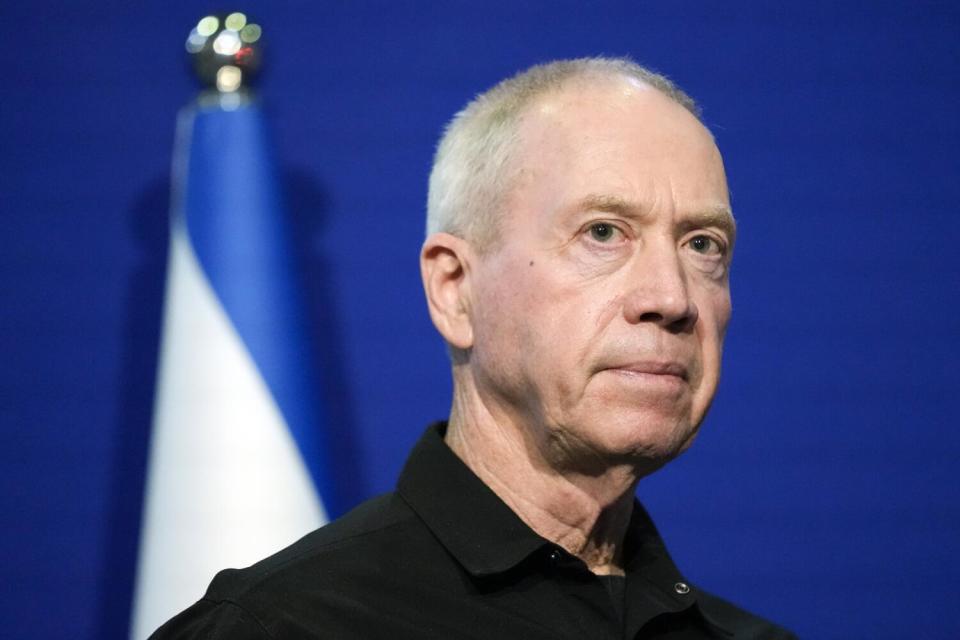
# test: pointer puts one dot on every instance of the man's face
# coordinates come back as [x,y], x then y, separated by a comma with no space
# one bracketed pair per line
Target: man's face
[598,319]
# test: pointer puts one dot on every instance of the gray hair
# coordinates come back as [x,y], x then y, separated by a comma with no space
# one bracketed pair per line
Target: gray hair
[472,167]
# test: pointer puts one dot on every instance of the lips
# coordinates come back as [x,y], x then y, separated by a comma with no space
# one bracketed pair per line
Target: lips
[652,368]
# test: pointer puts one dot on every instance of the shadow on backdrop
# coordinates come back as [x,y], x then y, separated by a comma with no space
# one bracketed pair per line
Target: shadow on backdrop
[149,225]
[307,206]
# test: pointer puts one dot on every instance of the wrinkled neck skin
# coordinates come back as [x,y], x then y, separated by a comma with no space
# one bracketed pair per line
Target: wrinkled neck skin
[585,513]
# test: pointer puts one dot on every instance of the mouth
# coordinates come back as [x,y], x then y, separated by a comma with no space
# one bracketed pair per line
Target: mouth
[652,370]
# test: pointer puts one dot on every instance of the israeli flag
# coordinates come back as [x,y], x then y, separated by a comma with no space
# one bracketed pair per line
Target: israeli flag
[236,466]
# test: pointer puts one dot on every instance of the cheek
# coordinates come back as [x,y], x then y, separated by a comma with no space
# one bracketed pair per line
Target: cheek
[724,308]
[711,328]
[494,325]
[506,316]
[533,330]
[713,302]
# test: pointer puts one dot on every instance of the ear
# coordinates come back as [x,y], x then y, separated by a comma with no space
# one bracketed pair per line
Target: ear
[445,269]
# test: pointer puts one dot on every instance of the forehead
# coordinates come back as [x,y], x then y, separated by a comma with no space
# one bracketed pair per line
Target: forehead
[621,138]
[593,105]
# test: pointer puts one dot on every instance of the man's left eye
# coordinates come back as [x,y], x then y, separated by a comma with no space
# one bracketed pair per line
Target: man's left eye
[705,245]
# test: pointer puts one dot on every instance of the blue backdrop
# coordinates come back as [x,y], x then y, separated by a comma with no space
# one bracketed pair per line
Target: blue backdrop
[822,492]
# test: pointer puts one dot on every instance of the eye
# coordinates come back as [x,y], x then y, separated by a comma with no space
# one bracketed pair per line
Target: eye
[602,231]
[706,245]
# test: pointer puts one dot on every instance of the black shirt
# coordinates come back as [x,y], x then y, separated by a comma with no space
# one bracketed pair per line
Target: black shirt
[444,557]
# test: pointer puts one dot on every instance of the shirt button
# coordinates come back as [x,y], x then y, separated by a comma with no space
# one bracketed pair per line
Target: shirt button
[554,557]
[682,588]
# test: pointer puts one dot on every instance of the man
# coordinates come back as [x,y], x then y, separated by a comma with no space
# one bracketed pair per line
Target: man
[577,260]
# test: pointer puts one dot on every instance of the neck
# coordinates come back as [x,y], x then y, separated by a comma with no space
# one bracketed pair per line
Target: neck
[586,514]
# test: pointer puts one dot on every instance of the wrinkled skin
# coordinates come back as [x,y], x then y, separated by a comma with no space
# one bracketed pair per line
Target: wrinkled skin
[597,320]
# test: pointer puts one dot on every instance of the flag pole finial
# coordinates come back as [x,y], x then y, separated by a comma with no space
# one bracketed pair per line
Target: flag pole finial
[226,50]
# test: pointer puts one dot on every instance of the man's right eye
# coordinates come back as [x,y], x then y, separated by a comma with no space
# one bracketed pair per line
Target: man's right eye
[602,231]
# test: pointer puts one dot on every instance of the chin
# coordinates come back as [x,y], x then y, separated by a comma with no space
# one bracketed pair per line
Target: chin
[654,437]
[610,426]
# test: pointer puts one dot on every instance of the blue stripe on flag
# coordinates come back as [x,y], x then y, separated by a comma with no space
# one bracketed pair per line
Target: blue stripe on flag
[236,221]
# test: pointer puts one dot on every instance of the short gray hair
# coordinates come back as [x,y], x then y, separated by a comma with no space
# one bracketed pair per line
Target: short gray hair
[472,167]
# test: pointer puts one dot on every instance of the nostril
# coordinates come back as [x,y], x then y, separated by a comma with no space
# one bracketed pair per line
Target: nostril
[687,321]
[675,323]
[682,325]
[651,316]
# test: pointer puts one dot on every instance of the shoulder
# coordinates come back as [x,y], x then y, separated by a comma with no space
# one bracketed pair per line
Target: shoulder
[738,621]
[332,548]
[311,580]
[362,545]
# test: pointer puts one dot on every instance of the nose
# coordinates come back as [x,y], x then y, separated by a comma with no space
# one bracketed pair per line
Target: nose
[660,293]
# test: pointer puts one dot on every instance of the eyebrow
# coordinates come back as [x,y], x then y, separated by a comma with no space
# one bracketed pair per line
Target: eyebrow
[719,216]
[610,204]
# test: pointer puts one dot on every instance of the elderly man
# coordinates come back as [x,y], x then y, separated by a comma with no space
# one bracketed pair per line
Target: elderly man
[576,263]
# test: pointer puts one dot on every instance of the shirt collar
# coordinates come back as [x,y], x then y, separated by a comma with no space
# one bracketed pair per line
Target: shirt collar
[470,521]
[486,537]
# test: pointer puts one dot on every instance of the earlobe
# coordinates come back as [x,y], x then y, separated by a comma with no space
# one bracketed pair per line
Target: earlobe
[445,270]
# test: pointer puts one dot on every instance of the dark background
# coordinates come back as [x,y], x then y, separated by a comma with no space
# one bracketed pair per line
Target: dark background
[822,492]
